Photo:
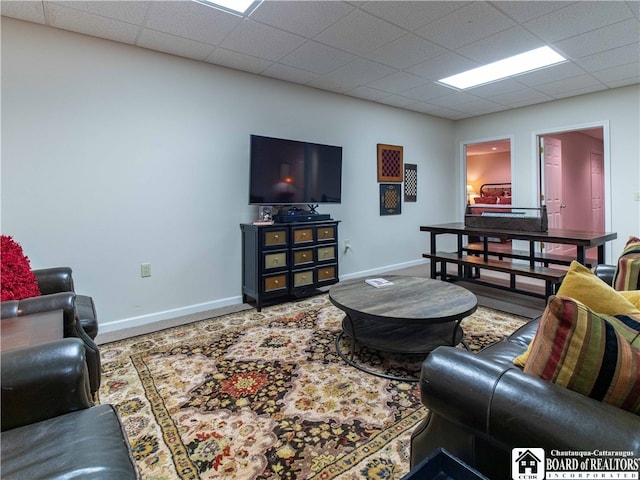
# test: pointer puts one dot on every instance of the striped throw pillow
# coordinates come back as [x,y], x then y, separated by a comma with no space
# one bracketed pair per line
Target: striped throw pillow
[627,274]
[588,352]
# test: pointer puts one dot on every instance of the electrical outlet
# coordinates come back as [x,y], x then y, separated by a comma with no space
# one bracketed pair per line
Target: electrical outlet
[636,197]
[145,270]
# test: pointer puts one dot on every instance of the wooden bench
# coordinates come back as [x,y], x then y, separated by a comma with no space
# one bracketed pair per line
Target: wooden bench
[552,277]
[545,258]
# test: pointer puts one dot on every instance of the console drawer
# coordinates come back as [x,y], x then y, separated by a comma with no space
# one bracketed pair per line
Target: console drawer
[302,257]
[326,253]
[326,233]
[326,274]
[275,260]
[302,235]
[274,283]
[303,278]
[275,238]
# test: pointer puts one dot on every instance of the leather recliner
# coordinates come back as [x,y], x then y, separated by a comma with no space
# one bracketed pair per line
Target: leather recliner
[78,311]
[60,279]
[50,427]
[481,406]
[66,302]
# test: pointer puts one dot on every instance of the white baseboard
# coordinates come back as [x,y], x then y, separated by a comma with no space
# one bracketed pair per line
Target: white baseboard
[189,310]
[192,313]
[385,269]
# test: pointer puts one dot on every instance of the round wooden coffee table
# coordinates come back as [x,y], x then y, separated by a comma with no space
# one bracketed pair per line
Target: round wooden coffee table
[414,315]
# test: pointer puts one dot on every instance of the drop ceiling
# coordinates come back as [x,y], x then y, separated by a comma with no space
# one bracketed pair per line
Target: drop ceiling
[391,52]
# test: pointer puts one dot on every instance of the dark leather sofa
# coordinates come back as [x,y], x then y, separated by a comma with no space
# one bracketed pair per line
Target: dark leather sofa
[481,406]
[50,427]
[78,312]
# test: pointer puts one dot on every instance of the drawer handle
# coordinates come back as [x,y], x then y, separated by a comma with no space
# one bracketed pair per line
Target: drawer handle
[275,260]
[304,255]
[326,232]
[276,236]
[276,282]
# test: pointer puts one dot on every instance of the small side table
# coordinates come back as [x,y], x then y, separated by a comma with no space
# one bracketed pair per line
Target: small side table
[33,329]
[441,465]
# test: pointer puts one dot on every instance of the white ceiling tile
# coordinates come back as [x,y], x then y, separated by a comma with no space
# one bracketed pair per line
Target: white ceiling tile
[624,83]
[550,74]
[442,66]
[29,11]
[305,18]
[436,110]
[191,20]
[406,51]
[263,41]
[524,11]
[397,101]
[522,98]
[362,71]
[578,91]
[398,82]
[578,18]
[605,38]
[366,92]
[453,99]
[182,47]
[353,74]
[316,57]
[504,44]
[414,14]
[123,10]
[621,72]
[581,82]
[634,5]
[239,61]
[480,106]
[610,58]
[427,91]
[466,25]
[359,33]
[496,88]
[290,74]
[90,24]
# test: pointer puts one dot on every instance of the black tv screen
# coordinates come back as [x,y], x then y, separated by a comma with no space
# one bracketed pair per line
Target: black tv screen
[288,172]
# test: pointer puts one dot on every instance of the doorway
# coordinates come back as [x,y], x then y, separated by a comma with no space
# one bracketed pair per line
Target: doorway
[488,169]
[572,181]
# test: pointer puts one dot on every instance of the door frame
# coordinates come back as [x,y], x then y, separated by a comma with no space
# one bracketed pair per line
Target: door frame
[606,152]
[463,156]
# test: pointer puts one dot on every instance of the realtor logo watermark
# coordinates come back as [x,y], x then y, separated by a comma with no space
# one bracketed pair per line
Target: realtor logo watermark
[536,464]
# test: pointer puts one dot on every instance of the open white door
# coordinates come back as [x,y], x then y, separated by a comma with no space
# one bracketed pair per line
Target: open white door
[552,187]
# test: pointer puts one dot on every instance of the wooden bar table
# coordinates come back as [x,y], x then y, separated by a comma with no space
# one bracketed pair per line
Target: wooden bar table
[582,240]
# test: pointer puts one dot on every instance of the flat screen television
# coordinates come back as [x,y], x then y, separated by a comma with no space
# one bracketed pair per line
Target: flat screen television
[290,172]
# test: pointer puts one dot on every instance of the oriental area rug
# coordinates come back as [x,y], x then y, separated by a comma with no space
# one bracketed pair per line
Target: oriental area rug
[264,395]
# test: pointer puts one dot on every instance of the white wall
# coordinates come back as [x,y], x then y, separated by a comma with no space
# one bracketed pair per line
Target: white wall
[114,155]
[618,110]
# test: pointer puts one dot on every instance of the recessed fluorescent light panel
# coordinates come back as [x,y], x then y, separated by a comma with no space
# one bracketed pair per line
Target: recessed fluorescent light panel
[237,7]
[522,63]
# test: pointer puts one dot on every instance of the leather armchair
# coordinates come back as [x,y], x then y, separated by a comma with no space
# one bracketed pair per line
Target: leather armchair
[481,406]
[50,427]
[60,279]
[65,301]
